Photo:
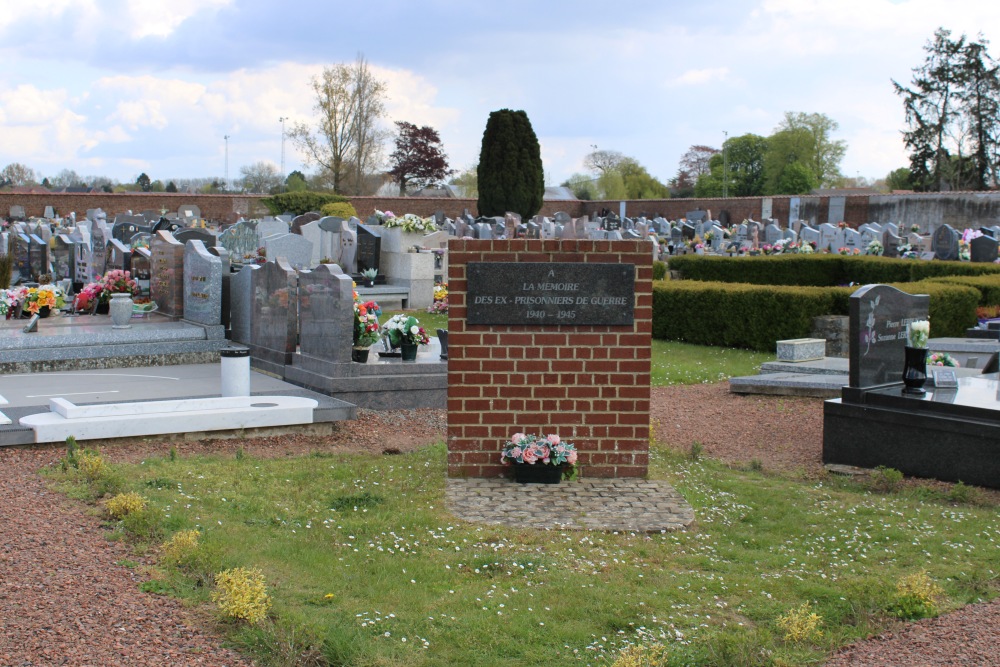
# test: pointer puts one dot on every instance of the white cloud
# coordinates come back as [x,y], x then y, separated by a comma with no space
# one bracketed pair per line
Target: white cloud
[701,76]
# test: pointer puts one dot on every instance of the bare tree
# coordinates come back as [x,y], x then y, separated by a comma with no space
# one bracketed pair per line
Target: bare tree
[603,161]
[16,173]
[347,142]
[260,177]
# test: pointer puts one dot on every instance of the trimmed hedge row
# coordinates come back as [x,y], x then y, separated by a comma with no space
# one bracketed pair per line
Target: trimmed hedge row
[988,286]
[757,316]
[820,270]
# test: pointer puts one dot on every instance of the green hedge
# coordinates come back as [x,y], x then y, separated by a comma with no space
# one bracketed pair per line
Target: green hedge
[820,270]
[988,286]
[757,316]
[659,270]
[300,202]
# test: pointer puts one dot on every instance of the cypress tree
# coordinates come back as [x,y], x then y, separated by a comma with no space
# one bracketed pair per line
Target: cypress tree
[510,171]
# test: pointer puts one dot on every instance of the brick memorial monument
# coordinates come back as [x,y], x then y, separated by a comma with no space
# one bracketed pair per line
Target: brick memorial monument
[549,336]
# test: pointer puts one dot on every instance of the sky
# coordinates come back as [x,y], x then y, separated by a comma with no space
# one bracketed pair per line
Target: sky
[120,87]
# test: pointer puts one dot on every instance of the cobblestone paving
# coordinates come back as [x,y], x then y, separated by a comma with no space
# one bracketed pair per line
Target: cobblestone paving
[588,504]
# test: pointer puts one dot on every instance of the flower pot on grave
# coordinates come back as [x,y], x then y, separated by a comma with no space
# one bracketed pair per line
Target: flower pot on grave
[914,370]
[121,310]
[44,312]
[408,351]
[103,308]
[359,354]
[537,473]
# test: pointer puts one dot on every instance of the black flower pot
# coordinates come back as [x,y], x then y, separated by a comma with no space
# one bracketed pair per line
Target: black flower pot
[914,370]
[359,354]
[537,473]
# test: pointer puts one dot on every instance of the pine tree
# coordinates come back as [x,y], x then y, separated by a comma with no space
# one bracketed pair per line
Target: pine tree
[510,173]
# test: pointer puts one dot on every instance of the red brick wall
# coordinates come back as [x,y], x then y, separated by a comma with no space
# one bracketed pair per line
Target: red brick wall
[588,384]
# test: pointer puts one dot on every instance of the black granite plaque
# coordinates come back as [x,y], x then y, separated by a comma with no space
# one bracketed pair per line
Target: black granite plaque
[878,318]
[945,243]
[550,294]
[369,247]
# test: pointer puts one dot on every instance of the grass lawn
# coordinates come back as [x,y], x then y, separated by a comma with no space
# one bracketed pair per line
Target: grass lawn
[366,566]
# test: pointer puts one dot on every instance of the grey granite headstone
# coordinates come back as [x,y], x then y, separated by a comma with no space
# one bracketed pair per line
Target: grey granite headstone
[983,249]
[240,240]
[167,279]
[695,216]
[241,304]
[202,285]
[790,235]
[311,232]
[944,243]
[326,315]
[62,254]
[810,235]
[836,209]
[118,256]
[267,228]
[891,243]
[274,322]
[207,238]
[827,237]
[98,247]
[348,249]
[82,271]
[562,217]
[852,239]
[22,257]
[293,247]
[772,234]
[878,318]
[38,256]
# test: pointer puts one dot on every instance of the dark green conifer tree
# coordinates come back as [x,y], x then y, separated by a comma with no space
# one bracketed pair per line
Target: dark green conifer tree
[510,171]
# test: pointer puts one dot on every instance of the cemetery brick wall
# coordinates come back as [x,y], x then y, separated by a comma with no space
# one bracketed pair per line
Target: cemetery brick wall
[427,206]
[588,384]
[224,207]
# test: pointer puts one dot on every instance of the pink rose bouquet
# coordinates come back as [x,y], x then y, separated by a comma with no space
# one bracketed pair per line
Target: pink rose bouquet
[532,449]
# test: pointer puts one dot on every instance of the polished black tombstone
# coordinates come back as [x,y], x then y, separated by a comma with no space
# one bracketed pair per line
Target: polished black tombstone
[191,234]
[369,247]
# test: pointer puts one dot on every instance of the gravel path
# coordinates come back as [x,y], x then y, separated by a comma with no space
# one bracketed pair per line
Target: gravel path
[65,600]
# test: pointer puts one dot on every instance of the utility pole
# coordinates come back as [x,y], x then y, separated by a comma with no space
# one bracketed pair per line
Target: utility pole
[226,185]
[725,165]
[282,121]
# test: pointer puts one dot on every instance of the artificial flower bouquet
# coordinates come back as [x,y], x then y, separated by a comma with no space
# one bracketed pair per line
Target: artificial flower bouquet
[366,328]
[538,450]
[942,359]
[10,299]
[115,281]
[917,333]
[410,223]
[46,296]
[874,248]
[404,330]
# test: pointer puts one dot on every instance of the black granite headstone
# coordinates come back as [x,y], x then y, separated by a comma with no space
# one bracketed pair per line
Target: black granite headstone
[38,256]
[191,234]
[983,249]
[878,318]
[369,247]
[63,253]
[944,243]
[22,256]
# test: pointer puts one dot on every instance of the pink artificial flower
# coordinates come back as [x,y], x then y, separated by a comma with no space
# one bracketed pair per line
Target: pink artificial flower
[542,450]
[554,439]
[571,459]
[515,453]
[530,456]
[517,438]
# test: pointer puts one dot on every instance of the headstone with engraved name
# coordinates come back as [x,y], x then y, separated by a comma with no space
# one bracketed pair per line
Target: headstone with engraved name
[274,322]
[772,234]
[241,304]
[202,285]
[293,247]
[890,243]
[142,269]
[38,256]
[22,257]
[267,228]
[81,256]
[852,240]
[118,256]
[240,240]
[810,235]
[827,237]
[348,249]
[311,232]
[369,248]
[326,316]
[167,279]
[62,253]
[878,320]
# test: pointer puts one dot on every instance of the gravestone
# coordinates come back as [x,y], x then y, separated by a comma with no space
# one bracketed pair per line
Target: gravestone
[304,219]
[142,269]
[790,235]
[207,238]
[188,212]
[772,234]
[852,239]
[267,228]
[82,273]
[241,304]
[891,243]
[326,316]
[202,285]
[167,281]
[17,212]
[274,322]
[331,228]
[22,258]
[766,208]
[836,209]
[123,231]
[63,254]
[983,249]
[348,249]
[741,232]
[810,235]
[562,217]
[483,231]
[38,256]
[240,240]
[118,256]
[878,318]
[369,248]
[98,248]
[827,237]
[695,216]
[687,231]
[944,243]
[293,247]
[311,232]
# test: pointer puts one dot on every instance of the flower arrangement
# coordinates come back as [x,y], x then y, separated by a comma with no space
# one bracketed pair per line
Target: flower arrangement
[383,216]
[410,223]
[257,257]
[366,329]
[964,254]
[842,225]
[440,304]
[874,248]
[46,296]
[10,299]
[807,248]
[942,359]
[848,251]
[917,333]
[709,237]
[404,330]
[113,282]
[532,449]
[915,228]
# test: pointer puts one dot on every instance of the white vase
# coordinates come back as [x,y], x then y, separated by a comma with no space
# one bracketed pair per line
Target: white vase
[121,310]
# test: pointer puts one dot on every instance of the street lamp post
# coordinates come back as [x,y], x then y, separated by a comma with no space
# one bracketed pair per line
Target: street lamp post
[226,137]
[725,165]
[282,121]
